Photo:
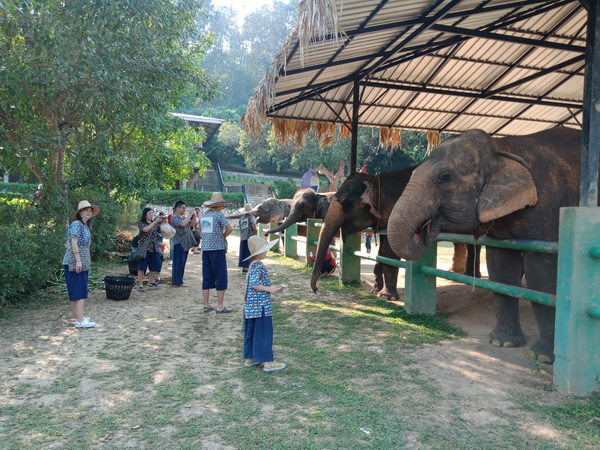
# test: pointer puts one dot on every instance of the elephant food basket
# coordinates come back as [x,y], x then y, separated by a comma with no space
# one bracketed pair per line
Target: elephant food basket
[118,288]
[133,266]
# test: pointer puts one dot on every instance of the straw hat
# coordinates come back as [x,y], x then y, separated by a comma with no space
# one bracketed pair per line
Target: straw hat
[167,230]
[216,199]
[85,204]
[258,245]
[247,209]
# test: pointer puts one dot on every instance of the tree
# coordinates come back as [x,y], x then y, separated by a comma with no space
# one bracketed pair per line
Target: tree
[86,87]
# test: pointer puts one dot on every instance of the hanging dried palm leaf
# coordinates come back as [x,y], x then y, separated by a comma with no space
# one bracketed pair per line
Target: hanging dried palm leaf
[434,138]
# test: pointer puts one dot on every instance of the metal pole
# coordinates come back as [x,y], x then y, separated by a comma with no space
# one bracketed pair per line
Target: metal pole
[588,184]
[354,145]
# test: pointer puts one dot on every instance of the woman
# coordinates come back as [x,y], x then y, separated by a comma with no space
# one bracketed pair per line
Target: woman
[247,230]
[148,249]
[77,261]
[182,241]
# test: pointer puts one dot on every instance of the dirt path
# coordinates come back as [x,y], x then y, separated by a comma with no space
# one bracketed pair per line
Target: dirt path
[37,346]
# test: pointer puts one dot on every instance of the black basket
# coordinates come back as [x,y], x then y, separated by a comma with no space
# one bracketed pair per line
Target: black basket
[118,288]
[133,266]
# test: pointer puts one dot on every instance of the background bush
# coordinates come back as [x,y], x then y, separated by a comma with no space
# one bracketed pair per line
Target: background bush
[25,189]
[285,189]
[191,198]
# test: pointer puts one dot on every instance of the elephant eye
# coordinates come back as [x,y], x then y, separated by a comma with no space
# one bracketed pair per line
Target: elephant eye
[445,177]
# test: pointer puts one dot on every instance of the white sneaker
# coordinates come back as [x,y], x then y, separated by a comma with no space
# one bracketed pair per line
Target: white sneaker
[85,319]
[84,324]
[170,263]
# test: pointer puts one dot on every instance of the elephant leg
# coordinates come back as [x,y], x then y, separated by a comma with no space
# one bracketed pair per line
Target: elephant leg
[473,261]
[390,274]
[540,274]
[459,258]
[504,266]
[378,272]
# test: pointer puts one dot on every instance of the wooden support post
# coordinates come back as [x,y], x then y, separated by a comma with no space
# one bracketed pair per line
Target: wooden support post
[291,247]
[577,335]
[349,262]
[312,235]
[273,236]
[419,289]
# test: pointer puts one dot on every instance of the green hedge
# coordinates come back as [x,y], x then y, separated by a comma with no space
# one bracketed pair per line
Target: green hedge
[191,197]
[18,190]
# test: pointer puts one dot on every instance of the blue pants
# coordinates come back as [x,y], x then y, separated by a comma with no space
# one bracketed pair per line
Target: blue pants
[258,339]
[244,253]
[214,270]
[179,260]
[152,261]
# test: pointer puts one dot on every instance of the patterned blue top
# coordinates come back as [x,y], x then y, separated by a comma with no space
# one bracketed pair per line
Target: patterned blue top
[257,301]
[212,224]
[246,230]
[183,235]
[84,238]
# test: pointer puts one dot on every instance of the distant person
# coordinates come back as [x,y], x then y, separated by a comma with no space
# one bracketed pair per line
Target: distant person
[247,229]
[197,232]
[329,264]
[258,320]
[215,229]
[182,242]
[368,237]
[148,247]
[77,261]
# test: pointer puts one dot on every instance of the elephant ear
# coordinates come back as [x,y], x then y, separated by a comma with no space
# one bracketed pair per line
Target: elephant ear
[509,188]
[367,197]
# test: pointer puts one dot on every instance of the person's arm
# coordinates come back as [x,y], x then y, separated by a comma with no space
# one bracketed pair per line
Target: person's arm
[75,250]
[272,289]
[151,225]
[228,230]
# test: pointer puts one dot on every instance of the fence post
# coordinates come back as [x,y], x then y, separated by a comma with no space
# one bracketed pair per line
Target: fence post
[290,245]
[312,235]
[577,365]
[349,262]
[419,289]
[273,236]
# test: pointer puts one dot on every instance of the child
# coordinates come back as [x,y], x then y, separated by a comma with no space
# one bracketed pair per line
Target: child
[329,264]
[258,322]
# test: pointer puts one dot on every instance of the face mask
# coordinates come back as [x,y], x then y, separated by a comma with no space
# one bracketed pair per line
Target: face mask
[84,219]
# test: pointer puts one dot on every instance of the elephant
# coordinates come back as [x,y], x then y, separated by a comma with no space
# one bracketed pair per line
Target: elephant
[510,187]
[363,201]
[272,209]
[305,204]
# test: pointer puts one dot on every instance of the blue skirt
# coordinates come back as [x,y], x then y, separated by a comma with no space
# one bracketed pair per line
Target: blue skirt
[77,284]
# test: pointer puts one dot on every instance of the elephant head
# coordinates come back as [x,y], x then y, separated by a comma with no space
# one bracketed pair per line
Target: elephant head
[462,187]
[272,209]
[362,201]
[305,204]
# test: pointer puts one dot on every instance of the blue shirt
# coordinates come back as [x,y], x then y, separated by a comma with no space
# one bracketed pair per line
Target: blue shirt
[212,224]
[257,301]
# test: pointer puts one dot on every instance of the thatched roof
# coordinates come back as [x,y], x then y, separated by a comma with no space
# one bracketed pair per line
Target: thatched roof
[505,66]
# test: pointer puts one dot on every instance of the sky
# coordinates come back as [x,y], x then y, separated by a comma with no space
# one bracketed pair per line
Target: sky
[243,7]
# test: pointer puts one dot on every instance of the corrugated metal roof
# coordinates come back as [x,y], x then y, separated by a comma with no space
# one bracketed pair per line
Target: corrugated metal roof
[505,66]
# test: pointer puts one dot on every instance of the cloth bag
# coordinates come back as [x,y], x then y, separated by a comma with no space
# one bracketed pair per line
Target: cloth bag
[167,230]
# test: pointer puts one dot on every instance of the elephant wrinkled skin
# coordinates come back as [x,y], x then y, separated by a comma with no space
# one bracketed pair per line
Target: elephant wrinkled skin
[510,187]
[305,204]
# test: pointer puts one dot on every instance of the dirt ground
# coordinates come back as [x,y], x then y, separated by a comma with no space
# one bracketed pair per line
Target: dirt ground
[37,343]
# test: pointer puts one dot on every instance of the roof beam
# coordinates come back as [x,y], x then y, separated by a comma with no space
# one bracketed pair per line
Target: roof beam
[508,38]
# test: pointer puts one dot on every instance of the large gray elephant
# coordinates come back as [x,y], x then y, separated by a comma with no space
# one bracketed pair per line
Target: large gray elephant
[510,187]
[305,204]
[363,201]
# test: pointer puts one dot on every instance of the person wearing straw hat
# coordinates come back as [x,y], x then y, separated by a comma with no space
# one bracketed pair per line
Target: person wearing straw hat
[247,229]
[77,261]
[258,314]
[215,229]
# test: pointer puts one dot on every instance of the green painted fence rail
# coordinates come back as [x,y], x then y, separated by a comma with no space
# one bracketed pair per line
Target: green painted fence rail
[515,291]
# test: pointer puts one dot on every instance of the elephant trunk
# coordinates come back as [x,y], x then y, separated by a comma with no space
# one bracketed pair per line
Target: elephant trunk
[332,223]
[294,217]
[413,225]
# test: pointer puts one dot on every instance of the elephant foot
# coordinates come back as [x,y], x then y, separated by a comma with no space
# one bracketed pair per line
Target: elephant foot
[508,338]
[375,289]
[543,351]
[388,294]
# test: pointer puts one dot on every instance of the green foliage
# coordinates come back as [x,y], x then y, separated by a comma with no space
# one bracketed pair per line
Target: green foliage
[25,190]
[285,188]
[86,87]
[190,197]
